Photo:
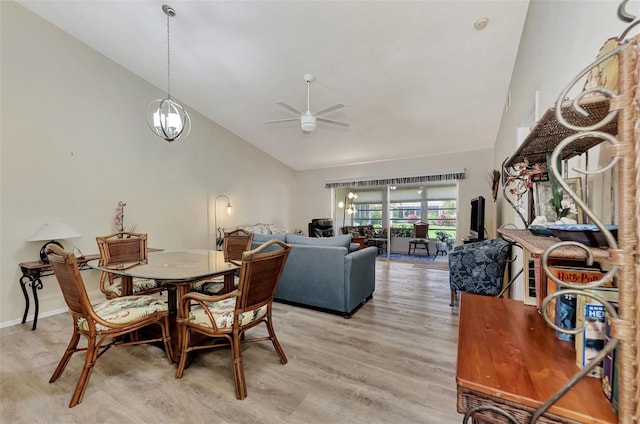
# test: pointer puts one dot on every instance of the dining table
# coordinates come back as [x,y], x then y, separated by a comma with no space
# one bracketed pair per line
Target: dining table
[177,270]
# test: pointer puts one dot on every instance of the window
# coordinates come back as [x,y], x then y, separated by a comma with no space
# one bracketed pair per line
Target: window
[368,214]
[433,204]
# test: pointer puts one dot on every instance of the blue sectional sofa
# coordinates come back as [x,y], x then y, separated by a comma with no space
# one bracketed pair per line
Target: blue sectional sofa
[330,273]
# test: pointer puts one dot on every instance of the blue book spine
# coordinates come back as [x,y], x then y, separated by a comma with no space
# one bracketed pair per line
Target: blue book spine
[566,315]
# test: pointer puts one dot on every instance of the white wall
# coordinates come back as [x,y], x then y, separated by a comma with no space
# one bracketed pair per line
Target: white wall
[314,200]
[74,142]
[560,38]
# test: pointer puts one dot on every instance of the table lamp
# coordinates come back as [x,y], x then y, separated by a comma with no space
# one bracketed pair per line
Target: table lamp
[51,233]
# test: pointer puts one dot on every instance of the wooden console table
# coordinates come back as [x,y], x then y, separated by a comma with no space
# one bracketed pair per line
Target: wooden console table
[509,357]
[32,272]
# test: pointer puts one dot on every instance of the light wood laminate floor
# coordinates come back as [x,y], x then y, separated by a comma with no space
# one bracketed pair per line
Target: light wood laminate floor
[393,362]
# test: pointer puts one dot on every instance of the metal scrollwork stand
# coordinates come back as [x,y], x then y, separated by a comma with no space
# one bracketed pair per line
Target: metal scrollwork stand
[622,252]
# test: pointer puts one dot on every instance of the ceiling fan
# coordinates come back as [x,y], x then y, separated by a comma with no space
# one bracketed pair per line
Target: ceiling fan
[309,119]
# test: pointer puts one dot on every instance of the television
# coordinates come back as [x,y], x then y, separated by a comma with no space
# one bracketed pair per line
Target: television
[477,218]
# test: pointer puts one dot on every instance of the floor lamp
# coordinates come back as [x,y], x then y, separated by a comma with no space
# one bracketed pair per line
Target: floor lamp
[215,219]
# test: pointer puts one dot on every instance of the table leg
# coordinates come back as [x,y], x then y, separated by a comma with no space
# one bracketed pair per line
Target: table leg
[33,279]
[229,285]
[26,297]
[35,286]
[127,285]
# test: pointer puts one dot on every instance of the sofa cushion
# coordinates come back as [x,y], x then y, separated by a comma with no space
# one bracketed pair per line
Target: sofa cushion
[263,238]
[337,241]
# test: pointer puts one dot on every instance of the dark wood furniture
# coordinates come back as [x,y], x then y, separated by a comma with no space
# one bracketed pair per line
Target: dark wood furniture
[360,240]
[228,316]
[32,273]
[102,325]
[379,242]
[509,357]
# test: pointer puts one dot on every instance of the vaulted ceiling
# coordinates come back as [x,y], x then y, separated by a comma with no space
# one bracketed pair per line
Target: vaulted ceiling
[416,77]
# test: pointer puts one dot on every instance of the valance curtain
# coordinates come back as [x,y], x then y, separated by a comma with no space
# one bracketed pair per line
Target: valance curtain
[448,176]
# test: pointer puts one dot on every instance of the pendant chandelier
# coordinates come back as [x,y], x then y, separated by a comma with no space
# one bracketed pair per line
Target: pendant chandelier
[165,117]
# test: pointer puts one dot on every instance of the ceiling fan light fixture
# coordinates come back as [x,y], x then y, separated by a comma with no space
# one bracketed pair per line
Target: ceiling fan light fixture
[308,123]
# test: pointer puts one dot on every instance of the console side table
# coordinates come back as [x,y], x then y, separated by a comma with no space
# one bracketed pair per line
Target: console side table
[32,272]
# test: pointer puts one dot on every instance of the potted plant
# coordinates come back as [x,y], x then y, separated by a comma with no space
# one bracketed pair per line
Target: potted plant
[442,243]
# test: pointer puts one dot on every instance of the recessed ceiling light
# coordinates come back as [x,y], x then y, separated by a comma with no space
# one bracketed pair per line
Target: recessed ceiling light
[481,24]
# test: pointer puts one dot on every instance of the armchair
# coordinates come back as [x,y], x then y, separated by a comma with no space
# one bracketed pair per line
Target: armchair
[478,267]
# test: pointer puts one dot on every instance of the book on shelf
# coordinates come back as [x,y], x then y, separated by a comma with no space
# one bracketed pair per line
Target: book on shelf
[562,309]
[541,279]
[591,313]
[608,364]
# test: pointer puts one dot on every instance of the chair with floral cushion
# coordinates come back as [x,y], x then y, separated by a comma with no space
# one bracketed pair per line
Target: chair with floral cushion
[228,316]
[104,324]
[478,267]
[234,244]
[124,248]
[420,237]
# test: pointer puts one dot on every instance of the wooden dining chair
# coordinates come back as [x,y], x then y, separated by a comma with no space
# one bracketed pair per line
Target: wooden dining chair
[234,244]
[124,248]
[228,316]
[420,237]
[103,324]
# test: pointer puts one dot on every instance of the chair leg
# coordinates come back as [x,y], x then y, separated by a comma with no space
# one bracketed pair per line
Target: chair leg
[453,298]
[166,338]
[71,349]
[276,343]
[238,367]
[426,246]
[184,346]
[83,381]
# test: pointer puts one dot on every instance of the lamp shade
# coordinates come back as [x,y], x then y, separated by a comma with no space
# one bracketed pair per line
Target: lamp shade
[54,231]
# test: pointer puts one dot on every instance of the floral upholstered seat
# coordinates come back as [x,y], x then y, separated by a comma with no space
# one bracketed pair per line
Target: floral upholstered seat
[124,310]
[222,312]
[478,267]
[140,285]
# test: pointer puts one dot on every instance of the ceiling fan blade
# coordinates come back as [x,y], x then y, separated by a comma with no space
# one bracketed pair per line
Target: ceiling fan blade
[281,120]
[331,121]
[289,107]
[329,109]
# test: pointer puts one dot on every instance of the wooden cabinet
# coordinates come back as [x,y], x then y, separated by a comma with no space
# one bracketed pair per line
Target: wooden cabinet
[493,343]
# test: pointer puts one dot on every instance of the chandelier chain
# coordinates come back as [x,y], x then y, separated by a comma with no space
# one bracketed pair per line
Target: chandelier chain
[168,59]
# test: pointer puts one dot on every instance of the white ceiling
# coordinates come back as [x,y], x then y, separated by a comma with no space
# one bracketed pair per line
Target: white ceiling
[415,76]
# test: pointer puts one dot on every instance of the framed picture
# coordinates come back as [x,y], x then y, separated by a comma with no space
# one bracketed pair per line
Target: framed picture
[544,204]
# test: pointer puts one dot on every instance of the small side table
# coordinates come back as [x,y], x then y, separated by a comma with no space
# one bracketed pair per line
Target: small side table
[32,272]
[359,240]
